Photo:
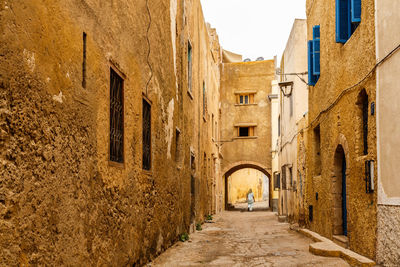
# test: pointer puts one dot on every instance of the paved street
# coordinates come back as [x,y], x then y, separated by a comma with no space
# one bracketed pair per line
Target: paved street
[244,239]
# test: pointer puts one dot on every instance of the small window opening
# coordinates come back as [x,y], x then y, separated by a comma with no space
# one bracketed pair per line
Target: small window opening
[363,105]
[245,131]
[84,62]
[245,99]
[317,150]
[146,141]
[189,67]
[116,118]
[279,125]
[291,177]
[178,146]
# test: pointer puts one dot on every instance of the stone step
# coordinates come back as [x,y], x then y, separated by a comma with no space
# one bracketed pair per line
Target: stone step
[341,240]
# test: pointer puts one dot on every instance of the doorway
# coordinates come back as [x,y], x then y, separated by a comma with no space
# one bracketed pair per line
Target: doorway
[339,193]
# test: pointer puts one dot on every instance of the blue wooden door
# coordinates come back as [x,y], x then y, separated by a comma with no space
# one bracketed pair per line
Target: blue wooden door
[344,204]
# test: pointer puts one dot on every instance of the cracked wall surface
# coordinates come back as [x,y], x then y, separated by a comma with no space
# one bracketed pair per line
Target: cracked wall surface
[61,200]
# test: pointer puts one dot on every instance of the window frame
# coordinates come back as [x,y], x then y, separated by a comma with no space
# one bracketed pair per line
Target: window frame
[145,167]
[111,161]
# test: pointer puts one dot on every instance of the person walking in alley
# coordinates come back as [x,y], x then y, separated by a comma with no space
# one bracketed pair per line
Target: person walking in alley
[250,200]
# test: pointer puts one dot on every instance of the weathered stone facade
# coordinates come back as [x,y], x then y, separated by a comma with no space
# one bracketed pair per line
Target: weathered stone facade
[63,202]
[388,131]
[251,149]
[293,109]
[336,132]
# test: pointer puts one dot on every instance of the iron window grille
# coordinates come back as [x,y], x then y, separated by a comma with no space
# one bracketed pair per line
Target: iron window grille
[116,118]
[146,135]
[284,187]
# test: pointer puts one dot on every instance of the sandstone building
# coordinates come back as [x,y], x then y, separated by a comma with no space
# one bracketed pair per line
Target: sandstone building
[109,112]
[245,117]
[293,109]
[341,131]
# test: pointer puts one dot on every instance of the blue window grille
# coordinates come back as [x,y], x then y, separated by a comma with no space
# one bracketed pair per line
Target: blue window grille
[348,17]
[314,57]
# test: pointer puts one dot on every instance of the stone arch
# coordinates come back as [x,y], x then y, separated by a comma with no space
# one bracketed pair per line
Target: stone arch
[230,169]
[340,187]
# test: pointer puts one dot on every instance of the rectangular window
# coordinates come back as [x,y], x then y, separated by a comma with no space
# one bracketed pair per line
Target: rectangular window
[189,67]
[291,177]
[277,181]
[348,17]
[116,118]
[84,61]
[246,131]
[178,146]
[317,150]
[283,171]
[279,125]
[212,126]
[245,99]
[146,141]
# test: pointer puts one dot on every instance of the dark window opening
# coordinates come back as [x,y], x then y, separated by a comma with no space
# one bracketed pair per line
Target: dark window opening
[178,146]
[146,135]
[283,171]
[291,177]
[116,118]
[317,150]
[243,131]
[189,67]
[84,62]
[277,181]
[279,126]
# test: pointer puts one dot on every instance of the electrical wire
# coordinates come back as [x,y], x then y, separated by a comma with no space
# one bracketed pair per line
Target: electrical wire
[344,92]
[148,42]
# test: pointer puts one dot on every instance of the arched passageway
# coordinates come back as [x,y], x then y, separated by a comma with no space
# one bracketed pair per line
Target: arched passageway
[265,177]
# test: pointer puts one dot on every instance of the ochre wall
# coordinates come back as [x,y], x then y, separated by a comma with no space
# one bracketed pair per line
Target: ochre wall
[341,124]
[246,76]
[62,202]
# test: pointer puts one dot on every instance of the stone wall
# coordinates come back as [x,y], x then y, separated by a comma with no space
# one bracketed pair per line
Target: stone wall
[62,201]
[388,238]
[336,110]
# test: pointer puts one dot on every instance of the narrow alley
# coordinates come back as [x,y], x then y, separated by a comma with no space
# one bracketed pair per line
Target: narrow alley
[237,238]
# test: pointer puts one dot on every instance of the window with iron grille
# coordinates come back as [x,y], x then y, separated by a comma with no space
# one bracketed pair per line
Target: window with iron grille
[284,177]
[116,118]
[146,135]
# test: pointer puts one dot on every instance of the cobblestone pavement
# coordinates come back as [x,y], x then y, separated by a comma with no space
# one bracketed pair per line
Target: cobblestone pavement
[238,238]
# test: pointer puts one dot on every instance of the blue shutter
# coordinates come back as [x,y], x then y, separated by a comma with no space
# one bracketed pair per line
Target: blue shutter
[316,32]
[343,21]
[310,63]
[355,10]
[316,57]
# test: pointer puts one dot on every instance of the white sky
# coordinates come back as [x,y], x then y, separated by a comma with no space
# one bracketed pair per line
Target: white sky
[253,28]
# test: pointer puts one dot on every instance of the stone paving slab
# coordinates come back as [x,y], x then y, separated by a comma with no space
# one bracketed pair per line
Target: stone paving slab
[238,239]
